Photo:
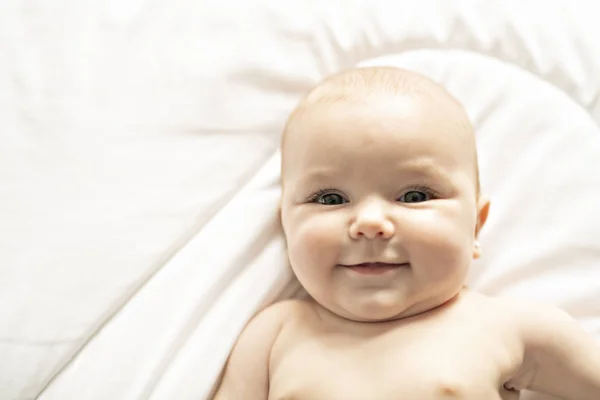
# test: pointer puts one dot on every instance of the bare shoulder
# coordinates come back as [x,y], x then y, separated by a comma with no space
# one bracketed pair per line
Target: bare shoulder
[286,312]
[521,314]
[246,373]
[263,329]
[281,310]
[536,320]
[560,358]
[531,321]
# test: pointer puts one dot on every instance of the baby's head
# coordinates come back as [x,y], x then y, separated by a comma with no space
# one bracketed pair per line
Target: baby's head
[379,166]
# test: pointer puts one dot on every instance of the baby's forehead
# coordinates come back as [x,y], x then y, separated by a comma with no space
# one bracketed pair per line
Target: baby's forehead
[383,93]
[381,85]
[397,113]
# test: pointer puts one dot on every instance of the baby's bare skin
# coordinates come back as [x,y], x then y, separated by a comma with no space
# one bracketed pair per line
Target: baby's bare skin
[465,349]
[381,209]
[472,348]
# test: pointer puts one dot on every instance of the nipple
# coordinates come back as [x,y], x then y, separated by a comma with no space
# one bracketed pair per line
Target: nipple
[450,390]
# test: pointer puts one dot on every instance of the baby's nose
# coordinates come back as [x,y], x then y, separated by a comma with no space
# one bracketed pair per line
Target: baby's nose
[372,227]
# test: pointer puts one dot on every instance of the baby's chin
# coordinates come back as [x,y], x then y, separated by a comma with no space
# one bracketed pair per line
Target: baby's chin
[373,311]
[380,310]
[380,316]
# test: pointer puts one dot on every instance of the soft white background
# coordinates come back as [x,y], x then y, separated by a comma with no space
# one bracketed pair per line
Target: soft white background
[139,168]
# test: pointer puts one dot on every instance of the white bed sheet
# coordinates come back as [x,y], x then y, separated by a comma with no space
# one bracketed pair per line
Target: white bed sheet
[139,169]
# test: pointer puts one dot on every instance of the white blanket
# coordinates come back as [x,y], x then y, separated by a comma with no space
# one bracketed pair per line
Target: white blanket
[139,169]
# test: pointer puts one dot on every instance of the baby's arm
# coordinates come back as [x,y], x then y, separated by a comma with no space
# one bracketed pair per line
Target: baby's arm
[561,359]
[246,374]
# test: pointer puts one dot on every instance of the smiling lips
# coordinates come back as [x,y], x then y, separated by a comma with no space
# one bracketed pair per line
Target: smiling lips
[374,268]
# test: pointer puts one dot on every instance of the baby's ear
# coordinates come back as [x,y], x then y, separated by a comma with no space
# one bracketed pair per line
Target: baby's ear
[483,209]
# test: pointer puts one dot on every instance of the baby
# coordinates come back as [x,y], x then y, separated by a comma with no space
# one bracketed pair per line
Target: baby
[381,209]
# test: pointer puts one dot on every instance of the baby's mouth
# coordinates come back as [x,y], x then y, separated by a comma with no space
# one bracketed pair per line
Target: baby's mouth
[371,268]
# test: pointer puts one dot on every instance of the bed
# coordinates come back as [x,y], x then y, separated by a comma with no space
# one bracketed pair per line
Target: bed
[139,169]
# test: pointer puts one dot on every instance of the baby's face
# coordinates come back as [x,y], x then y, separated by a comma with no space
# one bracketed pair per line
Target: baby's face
[388,180]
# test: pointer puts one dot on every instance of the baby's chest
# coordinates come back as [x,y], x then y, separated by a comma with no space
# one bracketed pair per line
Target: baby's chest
[392,367]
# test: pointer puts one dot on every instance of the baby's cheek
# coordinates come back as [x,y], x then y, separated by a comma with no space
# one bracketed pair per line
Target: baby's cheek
[318,241]
[443,243]
[314,242]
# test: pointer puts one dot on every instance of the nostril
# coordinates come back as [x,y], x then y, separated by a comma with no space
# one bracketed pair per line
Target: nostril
[370,232]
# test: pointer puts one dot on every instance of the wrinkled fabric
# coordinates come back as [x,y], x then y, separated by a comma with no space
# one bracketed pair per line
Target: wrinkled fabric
[139,169]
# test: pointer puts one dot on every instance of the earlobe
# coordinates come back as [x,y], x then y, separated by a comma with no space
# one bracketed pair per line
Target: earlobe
[476,250]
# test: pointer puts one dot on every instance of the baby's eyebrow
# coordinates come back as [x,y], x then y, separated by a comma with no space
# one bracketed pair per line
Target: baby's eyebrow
[423,168]
[320,174]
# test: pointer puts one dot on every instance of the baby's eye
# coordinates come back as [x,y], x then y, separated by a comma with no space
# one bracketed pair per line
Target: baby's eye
[414,196]
[330,199]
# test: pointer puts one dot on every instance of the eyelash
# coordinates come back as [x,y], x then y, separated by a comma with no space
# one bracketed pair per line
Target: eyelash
[428,191]
[432,194]
[313,198]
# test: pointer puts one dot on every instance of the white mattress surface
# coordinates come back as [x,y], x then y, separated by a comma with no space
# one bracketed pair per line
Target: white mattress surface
[139,169]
